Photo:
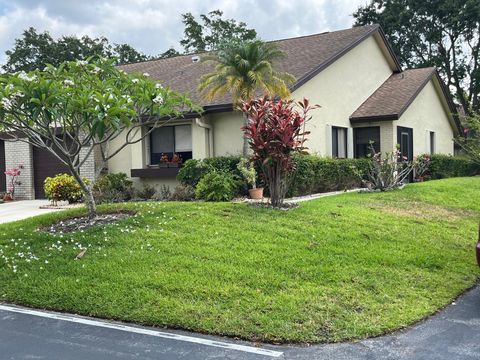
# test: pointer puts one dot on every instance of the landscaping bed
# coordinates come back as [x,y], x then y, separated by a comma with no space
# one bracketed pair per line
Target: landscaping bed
[336,268]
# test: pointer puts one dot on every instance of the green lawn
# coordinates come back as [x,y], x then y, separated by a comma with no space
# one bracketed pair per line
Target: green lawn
[337,268]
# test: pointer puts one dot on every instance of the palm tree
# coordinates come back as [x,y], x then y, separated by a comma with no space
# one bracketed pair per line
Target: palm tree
[242,69]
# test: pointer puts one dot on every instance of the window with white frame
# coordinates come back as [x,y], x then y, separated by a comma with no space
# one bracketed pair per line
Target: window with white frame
[339,142]
[167,140]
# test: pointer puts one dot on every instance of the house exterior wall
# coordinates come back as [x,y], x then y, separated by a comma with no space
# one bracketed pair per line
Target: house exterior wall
[340,89]
[227,133]
[19,154]
[425,114]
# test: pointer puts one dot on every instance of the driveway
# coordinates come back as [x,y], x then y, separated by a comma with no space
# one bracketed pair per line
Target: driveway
[19,210]
[453,334]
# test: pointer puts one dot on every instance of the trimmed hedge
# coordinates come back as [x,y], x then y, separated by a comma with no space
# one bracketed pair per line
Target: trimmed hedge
[315,174]
[193,170]
[446,166]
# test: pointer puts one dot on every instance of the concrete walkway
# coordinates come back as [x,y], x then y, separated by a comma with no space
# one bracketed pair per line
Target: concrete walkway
[453,334]
[19,210]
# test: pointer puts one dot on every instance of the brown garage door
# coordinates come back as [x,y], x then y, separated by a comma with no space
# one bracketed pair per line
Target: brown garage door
[3,183]
[45,165]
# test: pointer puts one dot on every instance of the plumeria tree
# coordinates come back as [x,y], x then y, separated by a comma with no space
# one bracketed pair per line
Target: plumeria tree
[82,106]
[276,131]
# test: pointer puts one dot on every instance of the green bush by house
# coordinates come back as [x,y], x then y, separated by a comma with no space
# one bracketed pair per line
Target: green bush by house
[63,187]
[447,166]
[216,186]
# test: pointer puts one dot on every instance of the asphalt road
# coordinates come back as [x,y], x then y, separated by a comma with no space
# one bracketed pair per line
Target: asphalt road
[452,334]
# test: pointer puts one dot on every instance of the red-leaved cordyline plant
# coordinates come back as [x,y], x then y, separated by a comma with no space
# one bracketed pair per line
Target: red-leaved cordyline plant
[13,174]
[275,131]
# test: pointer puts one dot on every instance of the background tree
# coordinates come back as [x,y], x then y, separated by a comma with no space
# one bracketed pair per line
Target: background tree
[212,31]
[242,69]
[441,33]
[276,131]
[81,106]
[35,50]
[470,142]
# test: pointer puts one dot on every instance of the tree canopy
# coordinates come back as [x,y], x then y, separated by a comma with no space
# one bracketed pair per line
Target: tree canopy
[211,31]
[79,106]
[34,50]
[441,33]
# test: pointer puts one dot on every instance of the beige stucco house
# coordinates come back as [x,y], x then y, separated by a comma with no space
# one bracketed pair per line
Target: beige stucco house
[353,74]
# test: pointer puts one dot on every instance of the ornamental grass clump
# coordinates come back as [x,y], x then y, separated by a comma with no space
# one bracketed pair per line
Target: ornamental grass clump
[276,131]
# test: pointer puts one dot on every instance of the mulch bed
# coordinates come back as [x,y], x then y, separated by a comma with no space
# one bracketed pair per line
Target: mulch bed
[84,223]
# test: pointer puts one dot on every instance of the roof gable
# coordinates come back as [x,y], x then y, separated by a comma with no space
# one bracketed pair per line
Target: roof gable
[396,94]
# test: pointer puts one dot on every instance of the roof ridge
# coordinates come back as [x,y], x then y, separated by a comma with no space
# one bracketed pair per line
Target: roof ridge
[373,26]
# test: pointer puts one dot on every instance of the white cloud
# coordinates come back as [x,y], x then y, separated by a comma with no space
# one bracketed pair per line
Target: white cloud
[153,26]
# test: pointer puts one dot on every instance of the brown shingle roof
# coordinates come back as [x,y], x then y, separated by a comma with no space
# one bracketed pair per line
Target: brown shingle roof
[305,57]
[393,97]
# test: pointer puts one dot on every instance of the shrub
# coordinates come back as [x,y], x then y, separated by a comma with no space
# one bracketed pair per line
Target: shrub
[192,171]
[388,170]
[113,188]
[63,187]
[314,174]
[147,192]
[183,193]
[446,166]
[216,186]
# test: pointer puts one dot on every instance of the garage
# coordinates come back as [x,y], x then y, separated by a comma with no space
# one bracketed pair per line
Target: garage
[3,181]
[45,165]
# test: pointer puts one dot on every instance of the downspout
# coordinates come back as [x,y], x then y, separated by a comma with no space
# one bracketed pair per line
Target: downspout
[209,129]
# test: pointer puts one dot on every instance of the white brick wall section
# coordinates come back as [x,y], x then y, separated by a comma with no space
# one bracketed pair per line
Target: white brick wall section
[88,168]
[19,154]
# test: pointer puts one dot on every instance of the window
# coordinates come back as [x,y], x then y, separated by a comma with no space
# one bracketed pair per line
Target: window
[169,140]
[339,142]
[365,136]
[432,142]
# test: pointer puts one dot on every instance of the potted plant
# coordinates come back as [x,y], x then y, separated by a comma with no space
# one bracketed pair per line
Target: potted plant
[176,161]
[163,160]
[250,175]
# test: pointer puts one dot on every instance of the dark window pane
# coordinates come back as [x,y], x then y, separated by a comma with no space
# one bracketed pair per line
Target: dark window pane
[162,140]
[363,137]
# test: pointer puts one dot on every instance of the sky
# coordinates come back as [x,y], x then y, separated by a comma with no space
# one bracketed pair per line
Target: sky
[153,26]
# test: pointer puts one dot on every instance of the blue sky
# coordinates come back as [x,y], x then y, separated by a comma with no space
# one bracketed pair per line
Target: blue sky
[153,26]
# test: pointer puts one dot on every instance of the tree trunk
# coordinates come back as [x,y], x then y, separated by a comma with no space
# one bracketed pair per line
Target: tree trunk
[245,140]
[87,193]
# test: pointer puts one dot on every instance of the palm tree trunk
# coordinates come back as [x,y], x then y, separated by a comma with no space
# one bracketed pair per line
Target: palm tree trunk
[245,140]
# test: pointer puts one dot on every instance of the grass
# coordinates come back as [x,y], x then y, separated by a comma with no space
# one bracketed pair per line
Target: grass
[337,268]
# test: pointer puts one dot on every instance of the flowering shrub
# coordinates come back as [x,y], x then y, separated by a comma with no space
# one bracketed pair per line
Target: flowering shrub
[421,165]
[63,187]
[388,171]
[12,181]
[276,131]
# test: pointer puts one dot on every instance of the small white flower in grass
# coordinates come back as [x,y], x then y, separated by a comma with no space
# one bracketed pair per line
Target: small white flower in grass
[96,70]
[68,82]
[46,261]
[135,81]
[146,74]
[158,86]
[82,62]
